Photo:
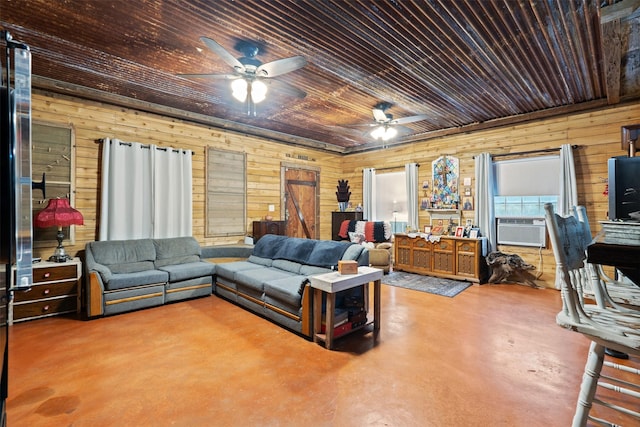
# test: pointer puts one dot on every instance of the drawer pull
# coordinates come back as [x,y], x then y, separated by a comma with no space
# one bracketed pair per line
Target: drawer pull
[45,308]
[46,275]
[46,292]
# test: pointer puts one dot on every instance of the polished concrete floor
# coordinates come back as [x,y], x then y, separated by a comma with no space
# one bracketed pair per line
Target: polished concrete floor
[491,356]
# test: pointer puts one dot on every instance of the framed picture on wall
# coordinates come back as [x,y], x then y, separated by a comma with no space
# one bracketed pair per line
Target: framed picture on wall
[467,203]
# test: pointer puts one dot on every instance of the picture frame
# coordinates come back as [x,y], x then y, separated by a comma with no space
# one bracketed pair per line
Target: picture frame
[459,231]
[437,230]
[473,233]
[467,203]
[427,229]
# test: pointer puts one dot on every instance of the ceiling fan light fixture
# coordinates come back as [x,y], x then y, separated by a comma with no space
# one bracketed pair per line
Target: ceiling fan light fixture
[258,91]
[239,89]
[384,133]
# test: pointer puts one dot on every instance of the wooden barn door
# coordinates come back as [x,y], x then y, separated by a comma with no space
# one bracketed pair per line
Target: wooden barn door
[301,195]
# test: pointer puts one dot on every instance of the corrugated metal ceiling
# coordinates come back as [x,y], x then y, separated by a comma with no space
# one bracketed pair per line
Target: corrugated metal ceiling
[464,64]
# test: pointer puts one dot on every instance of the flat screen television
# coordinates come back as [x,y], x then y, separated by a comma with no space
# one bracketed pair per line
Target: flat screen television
[624,187]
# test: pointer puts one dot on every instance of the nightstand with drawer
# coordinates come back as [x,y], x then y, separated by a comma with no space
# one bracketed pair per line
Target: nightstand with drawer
[56,290]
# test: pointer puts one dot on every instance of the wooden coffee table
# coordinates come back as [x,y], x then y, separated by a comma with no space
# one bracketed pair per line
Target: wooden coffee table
[334,282]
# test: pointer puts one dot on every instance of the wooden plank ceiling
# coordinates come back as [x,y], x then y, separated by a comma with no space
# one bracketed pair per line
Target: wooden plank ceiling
[464,64]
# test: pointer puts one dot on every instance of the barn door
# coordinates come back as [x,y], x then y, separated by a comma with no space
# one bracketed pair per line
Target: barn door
[301,201]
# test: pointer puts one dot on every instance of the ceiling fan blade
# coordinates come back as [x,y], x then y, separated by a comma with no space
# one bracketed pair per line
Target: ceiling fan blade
[212,76]
[379,115]
[369,125]
[224,54]
[285,88]
[281,66]
[411,119]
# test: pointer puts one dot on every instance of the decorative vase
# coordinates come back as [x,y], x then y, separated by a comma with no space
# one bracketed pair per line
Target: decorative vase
[343,194]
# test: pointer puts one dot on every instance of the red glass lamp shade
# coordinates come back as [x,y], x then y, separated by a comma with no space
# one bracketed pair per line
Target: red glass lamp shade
[58,213]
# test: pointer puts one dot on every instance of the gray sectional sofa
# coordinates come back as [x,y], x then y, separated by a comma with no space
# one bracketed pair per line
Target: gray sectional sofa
[273,281]
[125,275]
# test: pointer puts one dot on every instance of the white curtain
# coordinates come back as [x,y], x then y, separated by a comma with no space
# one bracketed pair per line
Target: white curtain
[411,173]
[484,214]
[568,194]
[172,192]
[145,191]
[368,193]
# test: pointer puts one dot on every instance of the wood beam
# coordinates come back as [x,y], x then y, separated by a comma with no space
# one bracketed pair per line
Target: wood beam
[611,54]
[617,25]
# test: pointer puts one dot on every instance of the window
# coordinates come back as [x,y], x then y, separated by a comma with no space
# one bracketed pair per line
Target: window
[523,186]
[53,156]
[226,193]
[391,200]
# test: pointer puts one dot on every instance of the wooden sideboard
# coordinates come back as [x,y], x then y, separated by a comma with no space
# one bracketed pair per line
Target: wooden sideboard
[457,258]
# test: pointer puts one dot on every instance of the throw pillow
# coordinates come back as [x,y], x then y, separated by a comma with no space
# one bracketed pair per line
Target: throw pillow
[356,237]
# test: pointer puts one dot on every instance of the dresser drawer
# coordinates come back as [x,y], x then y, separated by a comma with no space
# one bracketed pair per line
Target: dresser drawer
[52,274]
[49,290]
[43,308]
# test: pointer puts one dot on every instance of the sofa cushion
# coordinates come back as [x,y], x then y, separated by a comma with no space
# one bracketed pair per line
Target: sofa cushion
[256,278]
[312,270]
[261,261]
[286,265]
[327,253]
[228,270]
[176,250]
[285,289]
[127,280]
[296,249]
[139,253]
[269,245]
[191,270]
[131,267]
[352,253]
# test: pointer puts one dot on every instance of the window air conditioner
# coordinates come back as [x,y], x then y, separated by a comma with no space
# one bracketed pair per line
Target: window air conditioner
[522,232]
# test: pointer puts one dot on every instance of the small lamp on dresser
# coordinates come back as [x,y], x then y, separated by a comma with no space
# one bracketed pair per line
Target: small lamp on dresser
[58,213]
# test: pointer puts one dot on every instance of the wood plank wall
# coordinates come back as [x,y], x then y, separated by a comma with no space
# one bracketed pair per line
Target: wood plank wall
[596,132]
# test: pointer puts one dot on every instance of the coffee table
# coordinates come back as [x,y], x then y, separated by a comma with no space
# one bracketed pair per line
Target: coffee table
[334,282]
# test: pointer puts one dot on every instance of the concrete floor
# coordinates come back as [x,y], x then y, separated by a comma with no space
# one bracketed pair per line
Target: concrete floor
[491,356]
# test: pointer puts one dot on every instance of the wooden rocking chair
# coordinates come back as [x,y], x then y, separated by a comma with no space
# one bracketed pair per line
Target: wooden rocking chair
[604,325]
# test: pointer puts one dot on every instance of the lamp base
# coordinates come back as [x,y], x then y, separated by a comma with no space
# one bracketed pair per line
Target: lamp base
[56,258]
[59,255]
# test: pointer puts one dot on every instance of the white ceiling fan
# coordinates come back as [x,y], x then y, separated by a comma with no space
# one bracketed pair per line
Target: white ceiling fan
[251,79]
[385,126]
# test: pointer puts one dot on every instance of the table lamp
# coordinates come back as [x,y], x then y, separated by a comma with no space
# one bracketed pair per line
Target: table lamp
[58,213]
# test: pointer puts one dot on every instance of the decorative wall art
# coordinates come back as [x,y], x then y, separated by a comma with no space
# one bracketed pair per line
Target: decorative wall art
[445,171]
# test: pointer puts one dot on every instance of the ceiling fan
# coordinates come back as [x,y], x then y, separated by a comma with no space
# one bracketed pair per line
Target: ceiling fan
[386,127]
[251,79]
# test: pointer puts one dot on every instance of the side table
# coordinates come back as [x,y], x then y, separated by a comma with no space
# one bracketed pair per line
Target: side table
[56,289]
[334,282]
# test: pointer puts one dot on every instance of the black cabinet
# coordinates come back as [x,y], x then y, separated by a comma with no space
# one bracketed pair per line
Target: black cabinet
[260,228]
[338,217]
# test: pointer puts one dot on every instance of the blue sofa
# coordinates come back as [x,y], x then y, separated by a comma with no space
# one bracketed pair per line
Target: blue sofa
[273,281]
[125,275]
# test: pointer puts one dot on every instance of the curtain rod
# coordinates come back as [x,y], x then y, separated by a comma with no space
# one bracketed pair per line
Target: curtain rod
[129,144]
[519,153]
[393,167]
